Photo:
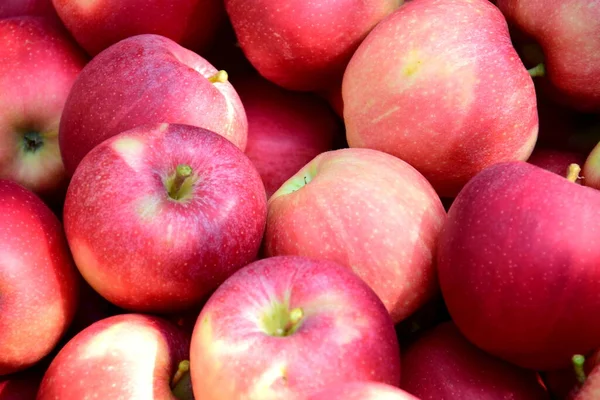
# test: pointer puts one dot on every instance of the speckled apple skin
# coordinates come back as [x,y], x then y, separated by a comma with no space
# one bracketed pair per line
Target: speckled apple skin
[346,333]
[141,250]
[141,80]
[370,212]
[304,45]
[569,33]
[17,8]
[39,65]
[439,85]
[38,280]
[519,265]
[125,357]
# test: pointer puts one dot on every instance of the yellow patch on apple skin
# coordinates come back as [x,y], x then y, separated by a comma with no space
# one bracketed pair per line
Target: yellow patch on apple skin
[267,383]
[412,64]
[131,151]
[148,208]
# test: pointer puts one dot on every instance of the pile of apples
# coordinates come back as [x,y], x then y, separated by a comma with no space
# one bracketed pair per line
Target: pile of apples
[299,200]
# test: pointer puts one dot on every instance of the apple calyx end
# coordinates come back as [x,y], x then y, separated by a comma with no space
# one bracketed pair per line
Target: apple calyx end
[573,171]
[32,141]
[220,77]
[537,71]
[578,365]
[179,185]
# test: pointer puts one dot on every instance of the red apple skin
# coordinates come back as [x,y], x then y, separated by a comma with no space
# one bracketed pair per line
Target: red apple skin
[39,65]
[38,281]
[345,334]
[568,33]
[286,129]
[362,391]
[450,104]
[99,24]
[518,265]
[143,80]
[129,356]
[591,169]
[556,161]
[18,8]
[443,365]
[146,252]
[369,211]
[304,45]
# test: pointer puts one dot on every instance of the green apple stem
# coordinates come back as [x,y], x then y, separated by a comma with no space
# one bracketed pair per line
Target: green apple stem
[537,71]
[181,384]
[220,77]
[578,363]
[573,172]
[179,184]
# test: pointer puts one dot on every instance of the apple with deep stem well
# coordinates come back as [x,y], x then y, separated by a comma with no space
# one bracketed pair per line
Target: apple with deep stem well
[286,327]
[519,264]
[369,211]
[450,102]
[158,216]
[147,79]
[38,280]
[129,356]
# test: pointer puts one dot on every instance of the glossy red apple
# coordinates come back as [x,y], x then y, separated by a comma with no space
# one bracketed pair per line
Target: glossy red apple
[304,45]
[286,130]
[287,327]
[591,169]
[38,281]
[158,216]
[568,32]
[449,102]
[369,211]
[39,65]
[519,265]
[443,365]
[18,8]
[99,24]
[142,80]
[362,391]
[129,356]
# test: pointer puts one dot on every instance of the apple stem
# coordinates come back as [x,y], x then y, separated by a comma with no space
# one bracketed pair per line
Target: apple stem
[181,385]
[573,172]
[178,182]
[182,369]
[220,77]
[537,71]
[578,363]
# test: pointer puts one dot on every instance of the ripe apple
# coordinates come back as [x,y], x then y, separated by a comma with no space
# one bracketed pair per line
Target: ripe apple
[449,102]
[553,160]
[142,80]
[369,211]
[38,281]
[519,265]
[39,65]
[443,365]
[286,327]
[304,45]
[286,129]
[591,168]
[158,216]
[99,24]
[18,8]
[129,356]
[568,32]
[362,391]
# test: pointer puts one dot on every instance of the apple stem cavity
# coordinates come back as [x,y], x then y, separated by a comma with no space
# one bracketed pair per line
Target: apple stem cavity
[220,77]
[537,71]
[578,364]
[281,321]
[32,142]
[179,185]
[181,383]
[573,172]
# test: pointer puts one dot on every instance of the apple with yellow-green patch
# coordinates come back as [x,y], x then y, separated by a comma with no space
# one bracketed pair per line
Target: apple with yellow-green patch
[158,216]
[286,327]
[591,169]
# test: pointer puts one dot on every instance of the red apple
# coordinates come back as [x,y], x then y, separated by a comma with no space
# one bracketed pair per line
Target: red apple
[362,391]
[304,45]
[591,168]
[99,24]
[18,8]
[38,281]
[519,265]
[286,130]
[449,102]
[39,65]
[129,356]
[21,385]
[557,161]
[568,32]
[142,80]
[287,327]
[369,211]
[158,216]
[443,365]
